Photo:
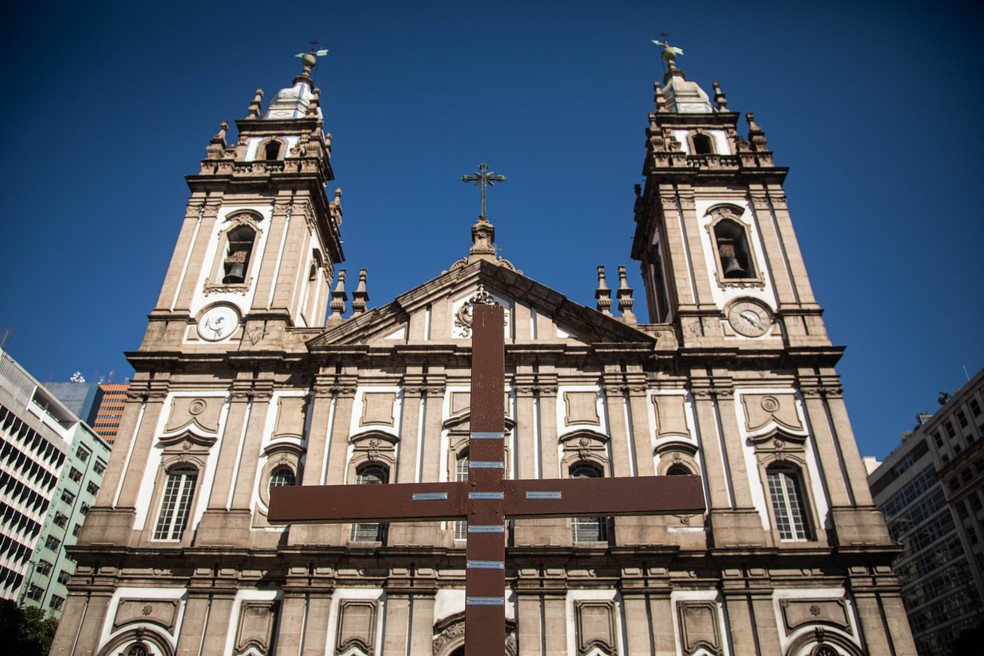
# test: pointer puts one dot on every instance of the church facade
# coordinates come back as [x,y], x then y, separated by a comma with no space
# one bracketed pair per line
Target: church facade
[242,384]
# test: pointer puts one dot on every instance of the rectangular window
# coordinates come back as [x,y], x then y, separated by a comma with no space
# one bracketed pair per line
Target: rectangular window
[176,504]
[962,510]
[962,418]
[67,496]
[939,440]
[788,504]
[975,503]
[35,593]
[75,474]
[56,602]
[975,407]
[52,543]
[63,577]
[61,519]
[44,567]
[77,530]
[949,429]
[92,488]
[82,454]
[99,467]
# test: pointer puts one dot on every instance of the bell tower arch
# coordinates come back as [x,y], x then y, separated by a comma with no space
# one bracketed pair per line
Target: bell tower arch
[260,238]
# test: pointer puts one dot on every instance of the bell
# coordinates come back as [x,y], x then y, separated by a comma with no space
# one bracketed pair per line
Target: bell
[235,273]
[732,269]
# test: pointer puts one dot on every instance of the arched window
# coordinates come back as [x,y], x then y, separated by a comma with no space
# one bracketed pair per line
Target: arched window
[282,476]
[137,650]
[179,490]
[371,474]
[239,248]
[678,470]
[588,529]
[788,502]
[732,246]
[461,474]
[271,150]
[703,144]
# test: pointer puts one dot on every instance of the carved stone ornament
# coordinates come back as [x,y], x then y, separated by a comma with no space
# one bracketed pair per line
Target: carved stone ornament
[463,315]
[449,635]
[595,623]
[699,627]
[800,612]
[202,413]
[356,626]
[162,612]
[582,408]
[377,408]
[256,620]
[671,415]
[761,410]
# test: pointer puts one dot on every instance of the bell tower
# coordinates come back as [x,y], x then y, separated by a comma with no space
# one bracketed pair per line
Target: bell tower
[713,233]
[260,239]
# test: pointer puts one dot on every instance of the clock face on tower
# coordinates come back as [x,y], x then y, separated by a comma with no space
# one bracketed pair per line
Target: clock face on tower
[749,318]
[218,322]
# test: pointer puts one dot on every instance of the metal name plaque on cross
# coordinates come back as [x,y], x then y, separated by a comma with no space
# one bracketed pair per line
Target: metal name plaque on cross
[487,499]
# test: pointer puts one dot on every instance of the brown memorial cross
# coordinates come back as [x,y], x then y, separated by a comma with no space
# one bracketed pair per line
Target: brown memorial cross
[486,500]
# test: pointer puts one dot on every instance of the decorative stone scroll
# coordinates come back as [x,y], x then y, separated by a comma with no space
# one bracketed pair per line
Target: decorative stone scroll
[699,627]
[200,412]
[377,409]
[356,626]
[764,409]
[582,408]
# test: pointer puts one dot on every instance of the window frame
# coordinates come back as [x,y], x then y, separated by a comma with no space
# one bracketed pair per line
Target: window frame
[168,515]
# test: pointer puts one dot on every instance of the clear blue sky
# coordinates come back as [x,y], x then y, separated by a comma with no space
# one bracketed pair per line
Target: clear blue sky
[873,106]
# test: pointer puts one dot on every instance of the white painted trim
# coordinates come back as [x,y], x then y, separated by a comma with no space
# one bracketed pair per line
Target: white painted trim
[191,249]
[237,602]
[593,595]
[178,594]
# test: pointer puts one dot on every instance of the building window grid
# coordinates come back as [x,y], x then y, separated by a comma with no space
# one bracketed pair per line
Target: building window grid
[788,504]
[370,475]
[176,503]
[460,475]
[588,529]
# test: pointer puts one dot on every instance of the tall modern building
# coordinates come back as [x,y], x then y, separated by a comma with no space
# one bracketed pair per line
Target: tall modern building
[110,410]
[242,384]
[931,489]
[81,398]
[51,467]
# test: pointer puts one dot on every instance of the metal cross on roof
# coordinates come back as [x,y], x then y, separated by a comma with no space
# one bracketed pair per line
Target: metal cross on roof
[487,499]
[483,178]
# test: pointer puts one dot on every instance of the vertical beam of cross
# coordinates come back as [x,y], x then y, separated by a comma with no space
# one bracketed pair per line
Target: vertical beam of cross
[484,179]
[485,550]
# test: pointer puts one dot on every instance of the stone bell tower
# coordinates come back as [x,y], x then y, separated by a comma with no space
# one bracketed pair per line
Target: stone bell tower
[719,256]
[260,239]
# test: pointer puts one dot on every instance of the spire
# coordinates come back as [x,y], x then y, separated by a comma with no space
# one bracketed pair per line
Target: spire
[680,95]
[338,298]
[296,100]
[625,300]
[360,296]
[603,294]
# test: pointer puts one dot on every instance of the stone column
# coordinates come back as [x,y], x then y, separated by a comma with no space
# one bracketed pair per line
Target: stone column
[145,438]
[245,483]
[525,423]
[422,622]
[620,443]
[825,443]
[396,624]
[318,435]
[199,254]
[85,608]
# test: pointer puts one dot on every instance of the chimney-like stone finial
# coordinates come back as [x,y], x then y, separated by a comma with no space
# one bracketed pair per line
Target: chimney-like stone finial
[314,104]
[360,296]
[255,106]
[603,294]
[338,298]
[625,300]
[720,101]
[659,98]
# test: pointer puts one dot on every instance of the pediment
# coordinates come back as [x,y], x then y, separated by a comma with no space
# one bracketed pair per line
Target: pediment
[438,311]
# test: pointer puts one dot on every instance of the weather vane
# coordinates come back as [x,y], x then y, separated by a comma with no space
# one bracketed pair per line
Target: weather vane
[669,52]
[483,178]
[310,58]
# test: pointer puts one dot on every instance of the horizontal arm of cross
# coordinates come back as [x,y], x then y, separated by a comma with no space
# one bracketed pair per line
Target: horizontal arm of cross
[415,502]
